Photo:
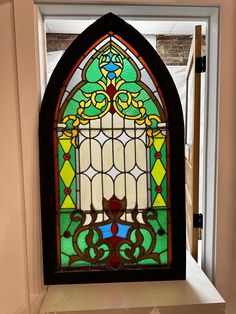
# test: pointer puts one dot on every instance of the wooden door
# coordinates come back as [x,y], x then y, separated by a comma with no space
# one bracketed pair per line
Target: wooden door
[192,139]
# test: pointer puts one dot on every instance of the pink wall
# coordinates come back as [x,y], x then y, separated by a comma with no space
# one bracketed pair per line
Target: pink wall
[13,270]
[21,286]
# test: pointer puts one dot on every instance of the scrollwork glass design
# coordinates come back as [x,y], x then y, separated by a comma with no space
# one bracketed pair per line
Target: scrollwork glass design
[112,154]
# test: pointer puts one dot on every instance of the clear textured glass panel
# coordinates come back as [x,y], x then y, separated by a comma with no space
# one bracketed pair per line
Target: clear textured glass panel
[100,218]
[140,130]
[101,138]
[129,217]
[76,78]
[129,127]
[124,138]
[85,193]
[130,155]
[107,159]
[158,98]
[64,98]
[84,152]
[108,187]
[118,152]
[88,219]
[118,124]
[141,155]
[120,186]
[84,130]
[142,191]
[95,127]
[130,191]
[140,218]
[102,43]
[107,124]
[86,59]
[97,192]
[145,77]
[96,155]
[116,41]
[137,62]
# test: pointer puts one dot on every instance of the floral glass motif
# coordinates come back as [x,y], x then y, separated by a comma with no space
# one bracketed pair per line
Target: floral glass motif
[111,148]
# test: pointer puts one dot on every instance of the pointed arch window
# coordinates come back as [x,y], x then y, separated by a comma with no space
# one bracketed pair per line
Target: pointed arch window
[112,162]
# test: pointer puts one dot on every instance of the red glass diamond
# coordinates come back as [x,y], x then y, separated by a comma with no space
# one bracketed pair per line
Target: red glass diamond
[114,228]
[158,155]
[67,234]
[66,156]
[67,191]
[161,232]
[111,90]
[158,189]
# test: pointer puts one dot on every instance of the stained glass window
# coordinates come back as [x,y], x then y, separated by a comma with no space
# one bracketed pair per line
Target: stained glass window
[107,155]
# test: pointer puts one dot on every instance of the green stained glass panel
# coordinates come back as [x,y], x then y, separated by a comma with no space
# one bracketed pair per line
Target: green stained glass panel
[81,240]
[78,96]
[72,106]
[128,74]
[162,219]
[60,157]
[164,257]
[61,190]
[151,108]
[93,73]
[91,87]
[161,243]
[134,88]
[64,260]
[81,263]
[163,154]
[147,261]
[164,188]
[147,239]
[67,246]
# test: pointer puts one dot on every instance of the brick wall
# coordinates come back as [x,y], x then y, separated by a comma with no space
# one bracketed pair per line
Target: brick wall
[59,41]
[173,50]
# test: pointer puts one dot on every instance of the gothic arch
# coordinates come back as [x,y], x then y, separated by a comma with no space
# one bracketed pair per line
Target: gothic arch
[107,213]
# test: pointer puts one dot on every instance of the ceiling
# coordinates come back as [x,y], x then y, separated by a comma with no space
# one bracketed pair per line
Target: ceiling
[72,26]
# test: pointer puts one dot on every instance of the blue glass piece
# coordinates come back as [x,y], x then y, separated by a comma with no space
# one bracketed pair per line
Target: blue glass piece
[111,67]
[122,231]
[111,75]
[106,231]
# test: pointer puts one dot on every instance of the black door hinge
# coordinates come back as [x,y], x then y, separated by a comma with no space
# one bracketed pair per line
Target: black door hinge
[200,64]
[198,221]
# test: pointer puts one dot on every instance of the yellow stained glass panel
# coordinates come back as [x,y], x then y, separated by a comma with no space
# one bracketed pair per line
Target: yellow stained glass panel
[158,142]
[67,173]
[159,201]
[68,203]
[158,172]
[65,142]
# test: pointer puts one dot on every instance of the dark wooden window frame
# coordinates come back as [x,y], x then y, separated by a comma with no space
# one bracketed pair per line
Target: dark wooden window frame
[177,269]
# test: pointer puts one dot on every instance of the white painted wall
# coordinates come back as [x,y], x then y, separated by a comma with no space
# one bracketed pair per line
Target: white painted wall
[21,285]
